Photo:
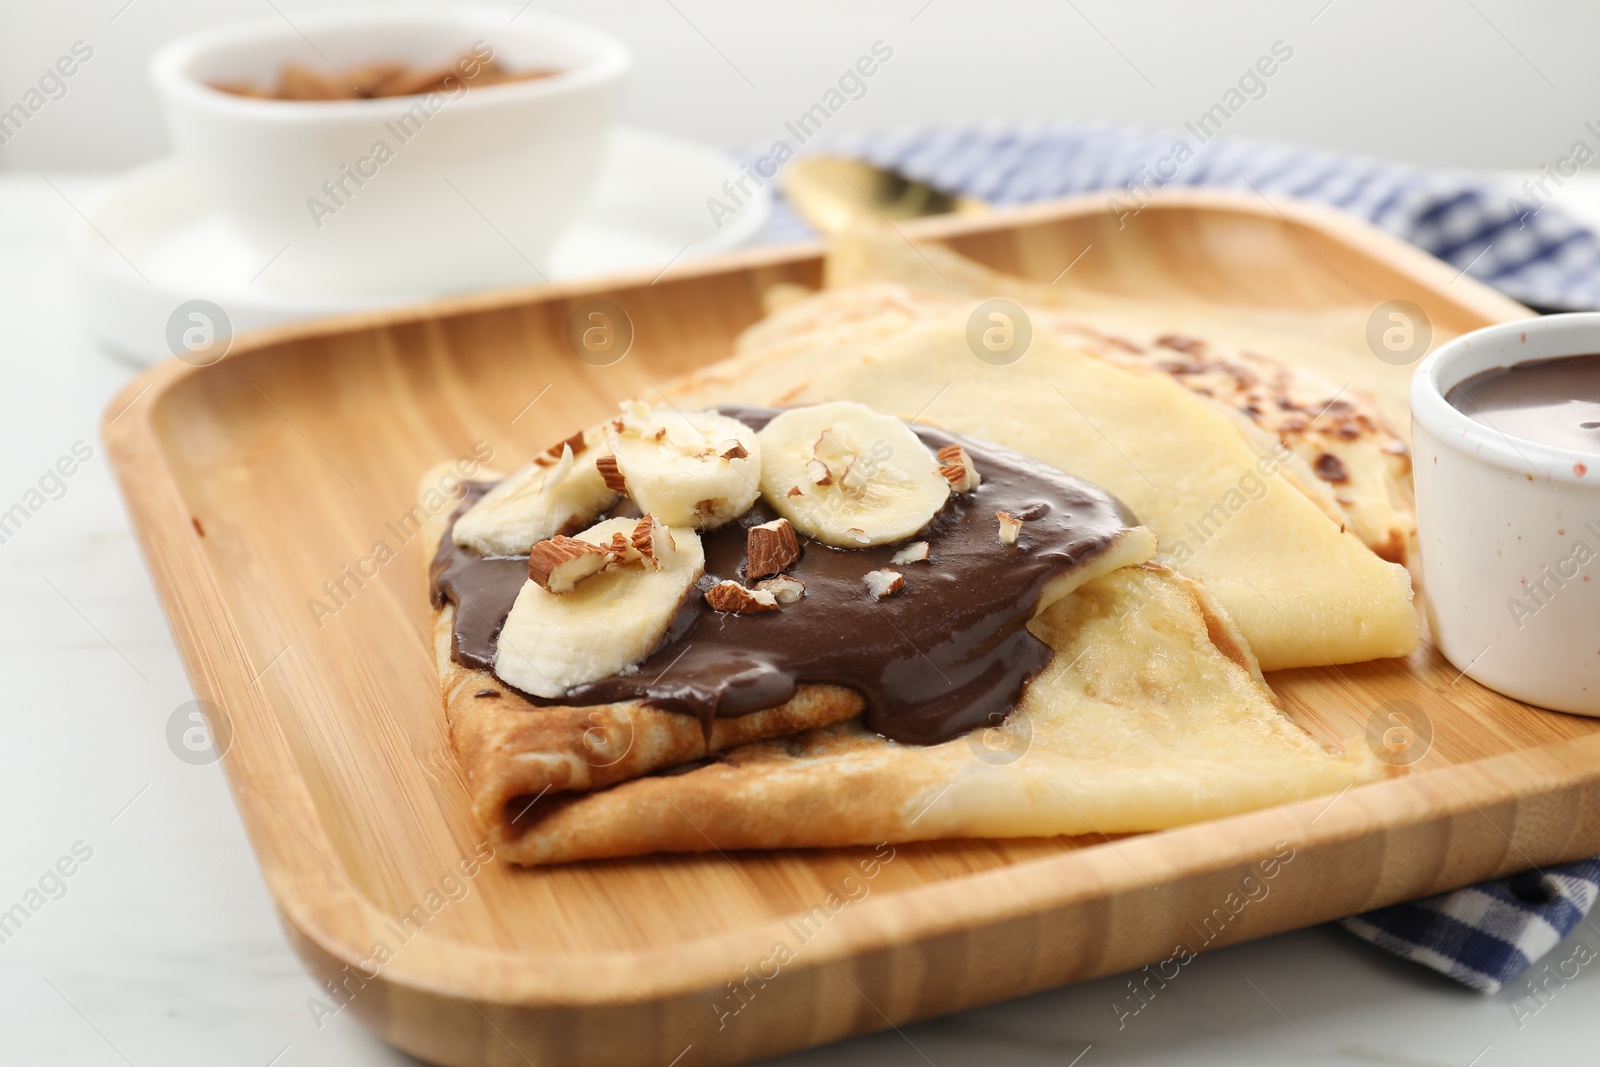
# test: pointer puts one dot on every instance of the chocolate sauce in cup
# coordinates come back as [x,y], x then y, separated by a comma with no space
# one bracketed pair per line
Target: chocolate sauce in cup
[1505,436]
[1553,402]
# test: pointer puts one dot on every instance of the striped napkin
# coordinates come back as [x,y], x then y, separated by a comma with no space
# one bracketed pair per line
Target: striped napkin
[1516,240]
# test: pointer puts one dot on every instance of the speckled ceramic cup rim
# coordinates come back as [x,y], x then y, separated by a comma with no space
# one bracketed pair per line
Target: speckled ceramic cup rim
[1505,345]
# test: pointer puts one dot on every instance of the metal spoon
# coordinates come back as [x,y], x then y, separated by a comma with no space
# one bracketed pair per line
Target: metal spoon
[834,194]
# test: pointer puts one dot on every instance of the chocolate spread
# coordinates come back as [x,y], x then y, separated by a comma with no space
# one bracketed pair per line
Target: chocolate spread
[1555,402]
[949,652]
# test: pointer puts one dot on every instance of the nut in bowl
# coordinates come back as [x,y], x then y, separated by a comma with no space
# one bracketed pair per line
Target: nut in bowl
[406,149]
[1506,436]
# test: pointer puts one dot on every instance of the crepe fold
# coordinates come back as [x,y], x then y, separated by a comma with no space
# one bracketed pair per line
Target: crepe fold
[514,753]
[1152,714]
[1340,447]
[1221,451]
[1304,590]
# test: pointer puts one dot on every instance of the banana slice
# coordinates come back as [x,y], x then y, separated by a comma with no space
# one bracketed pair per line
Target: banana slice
[696,469]
[559,490]
[849,476]
[604,624]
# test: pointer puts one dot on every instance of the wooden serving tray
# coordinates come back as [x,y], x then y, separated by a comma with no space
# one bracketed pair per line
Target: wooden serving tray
[254,481]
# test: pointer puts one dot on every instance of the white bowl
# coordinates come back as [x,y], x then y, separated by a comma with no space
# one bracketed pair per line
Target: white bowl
[1510,528]
[475,185]
[169,245]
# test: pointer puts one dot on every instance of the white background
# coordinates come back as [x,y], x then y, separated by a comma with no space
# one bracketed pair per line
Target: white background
[1483,83]
[165,949]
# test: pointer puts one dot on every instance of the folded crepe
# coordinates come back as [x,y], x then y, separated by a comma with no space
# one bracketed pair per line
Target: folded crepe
[1152,714]
[1229,508]
[1328,342]
[514,752]
[1354,463]
[1347,457]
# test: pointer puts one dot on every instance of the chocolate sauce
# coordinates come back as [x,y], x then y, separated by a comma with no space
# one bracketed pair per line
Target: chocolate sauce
[948,653]
[482,589]
[1553,402]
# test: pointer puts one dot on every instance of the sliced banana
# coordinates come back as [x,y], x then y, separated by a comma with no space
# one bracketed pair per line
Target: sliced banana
[559,490]
[606,623]
[849,476]
[696,468]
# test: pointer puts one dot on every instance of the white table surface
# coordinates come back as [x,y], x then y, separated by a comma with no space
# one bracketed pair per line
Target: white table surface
[165,949]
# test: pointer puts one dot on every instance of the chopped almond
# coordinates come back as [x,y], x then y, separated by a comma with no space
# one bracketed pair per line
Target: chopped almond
[557,465]
[958,469]
[784,588]
[653,542]
[883,582]
[298,83]
[561,563]
[831,451]
[794,490]
[818,472]
[575,442]
[854,478]
[732,449]
[915,552]
[611,474]
[369,77]
[1010,527]
[770,548]
[734,598]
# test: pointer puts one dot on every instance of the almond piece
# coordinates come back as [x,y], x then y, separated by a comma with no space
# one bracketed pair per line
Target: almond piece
[610,474]
[915,552]
[1010,527]
[854,479]
[958,469]
[734,598]
[575,442]
[769,548]
[785,589]
[794,490]
[562,562]
[818,472]
[732,449]
[883,582]
[654,543]
[297,83]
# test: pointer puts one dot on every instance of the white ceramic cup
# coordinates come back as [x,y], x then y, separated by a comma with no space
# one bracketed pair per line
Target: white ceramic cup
[1510,528]
[472,187]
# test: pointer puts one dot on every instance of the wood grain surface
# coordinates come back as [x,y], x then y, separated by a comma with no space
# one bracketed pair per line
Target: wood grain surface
[258,483]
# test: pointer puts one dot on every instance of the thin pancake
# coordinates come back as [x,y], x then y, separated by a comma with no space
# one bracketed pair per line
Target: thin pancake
[1151,715]
[1354,462]
[1303,590]
[512,750]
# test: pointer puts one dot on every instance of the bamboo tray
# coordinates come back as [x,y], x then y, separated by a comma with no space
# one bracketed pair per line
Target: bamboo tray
[255,480]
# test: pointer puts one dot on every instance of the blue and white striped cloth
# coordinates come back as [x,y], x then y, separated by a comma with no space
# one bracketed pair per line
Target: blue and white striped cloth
[1516,240]
[1485,935]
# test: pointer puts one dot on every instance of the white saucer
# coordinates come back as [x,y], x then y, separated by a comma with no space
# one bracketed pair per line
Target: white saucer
[153,240]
